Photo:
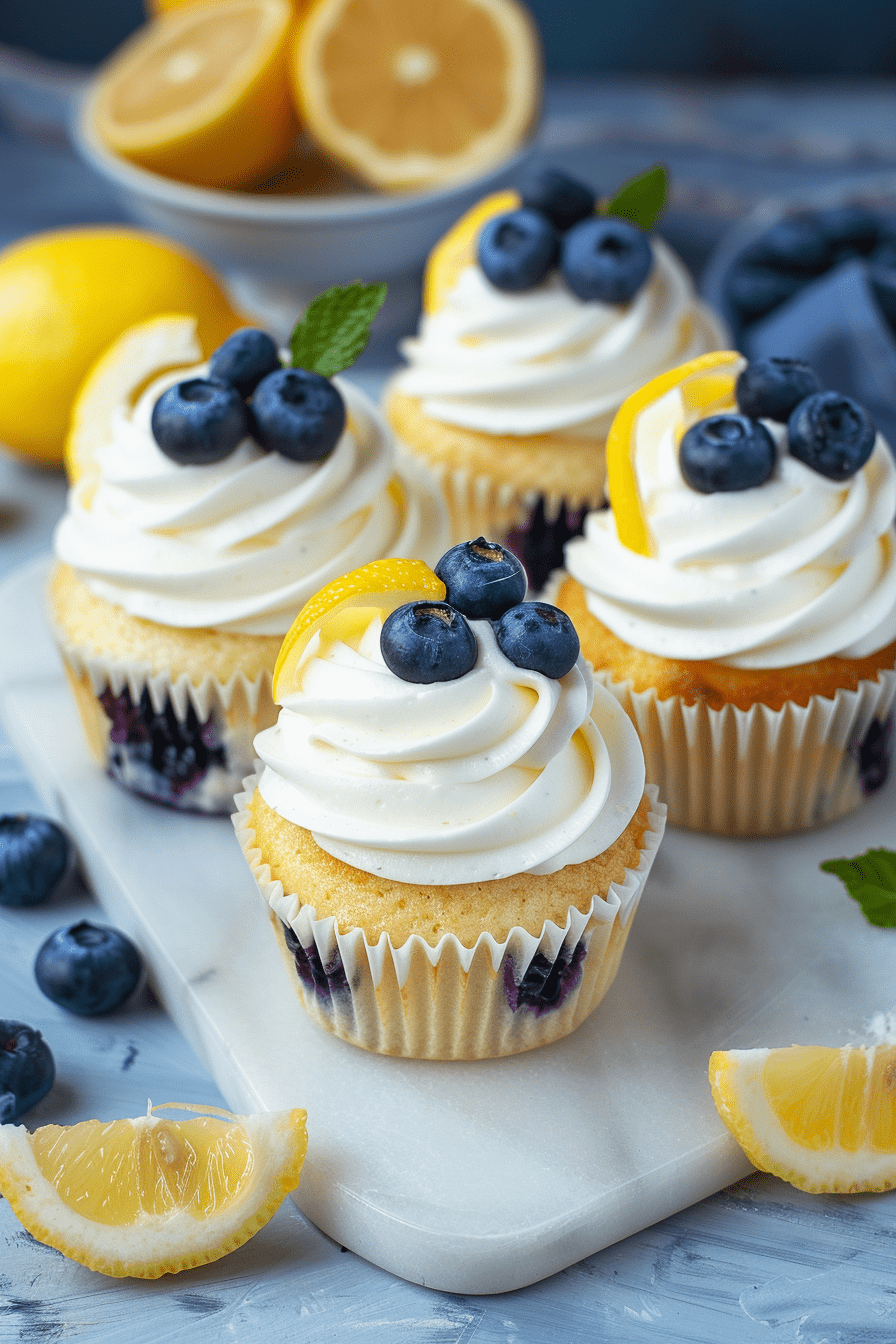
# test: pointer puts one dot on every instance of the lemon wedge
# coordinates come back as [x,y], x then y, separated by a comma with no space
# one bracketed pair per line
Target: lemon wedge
[346,606]
[410,95]
[821,1117]
[152,1196]
[706,384]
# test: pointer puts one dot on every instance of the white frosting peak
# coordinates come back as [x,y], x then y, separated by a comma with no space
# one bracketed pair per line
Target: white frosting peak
[501,771]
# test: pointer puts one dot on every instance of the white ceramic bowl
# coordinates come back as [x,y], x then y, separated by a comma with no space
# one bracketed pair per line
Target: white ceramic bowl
[278,252]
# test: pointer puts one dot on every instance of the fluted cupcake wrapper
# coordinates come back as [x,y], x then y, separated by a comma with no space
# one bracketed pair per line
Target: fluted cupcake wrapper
[764,771]
[165,737]
[450,1001]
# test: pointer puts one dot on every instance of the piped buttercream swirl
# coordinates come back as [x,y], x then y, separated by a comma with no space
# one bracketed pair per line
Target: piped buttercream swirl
[242,544]
[543,361]
[798,569]
[501,771]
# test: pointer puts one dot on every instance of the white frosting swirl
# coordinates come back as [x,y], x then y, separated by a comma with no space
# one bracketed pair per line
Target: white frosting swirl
[546,362]
[797,569]
[501,771]
[242,544]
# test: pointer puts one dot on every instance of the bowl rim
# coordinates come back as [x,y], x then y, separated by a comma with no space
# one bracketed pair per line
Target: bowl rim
[212,201]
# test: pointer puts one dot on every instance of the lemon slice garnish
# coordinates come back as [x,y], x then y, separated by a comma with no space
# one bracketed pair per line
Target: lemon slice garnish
[820,1117]
[706,384]
[152,1196]
[346,606]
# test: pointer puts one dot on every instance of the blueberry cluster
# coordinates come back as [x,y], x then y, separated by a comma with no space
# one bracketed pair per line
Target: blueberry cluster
[248,394]
[599,256]
[799,248]
[830,433]
[432,641]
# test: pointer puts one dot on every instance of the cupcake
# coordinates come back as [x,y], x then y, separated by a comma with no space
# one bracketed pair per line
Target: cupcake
[540,318]
[451,829]
[739,596]
[197,523]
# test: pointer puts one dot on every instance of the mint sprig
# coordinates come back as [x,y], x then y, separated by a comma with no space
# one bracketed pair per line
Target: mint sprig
[335,328]
[870,879]
[642,200]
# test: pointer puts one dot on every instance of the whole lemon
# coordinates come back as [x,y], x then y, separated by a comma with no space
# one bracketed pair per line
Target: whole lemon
[64,297]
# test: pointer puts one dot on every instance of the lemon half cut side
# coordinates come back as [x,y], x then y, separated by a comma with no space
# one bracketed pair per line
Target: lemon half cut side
[821,1117]
[152,1196]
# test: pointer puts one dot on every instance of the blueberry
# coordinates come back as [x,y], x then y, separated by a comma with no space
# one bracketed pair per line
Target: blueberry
[795,243]
[34,858]
[539,637]
[850,230]
[27,1070]
[769,389]
[87,968]
[517,250]
[244,359]
[605,258]
[832,434]
[298,414]
[428,641]
[754,291]
[482,578]
[564,200]
[726,452]
[199,421]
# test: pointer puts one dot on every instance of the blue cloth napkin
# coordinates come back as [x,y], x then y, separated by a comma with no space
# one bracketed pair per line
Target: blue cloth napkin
[837,325]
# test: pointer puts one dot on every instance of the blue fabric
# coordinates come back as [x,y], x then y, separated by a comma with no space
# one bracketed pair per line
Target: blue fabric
[836,324]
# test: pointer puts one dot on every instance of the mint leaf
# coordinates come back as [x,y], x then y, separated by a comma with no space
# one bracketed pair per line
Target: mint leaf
[335,328]
[642,200]
[870,879]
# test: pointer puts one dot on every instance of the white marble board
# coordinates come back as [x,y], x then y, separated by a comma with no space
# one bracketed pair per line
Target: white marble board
[482,1177]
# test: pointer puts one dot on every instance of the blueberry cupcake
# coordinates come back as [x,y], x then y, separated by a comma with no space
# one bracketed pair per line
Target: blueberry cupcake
[540,317]
[739,596]
[452,829]
[208,502]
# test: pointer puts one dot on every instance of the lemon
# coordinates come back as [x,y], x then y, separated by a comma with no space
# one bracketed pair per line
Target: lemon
[410,95]
[202,93]
[706,385]
[346,606]
[820,1117]
[64,296]
[152,1196]
[459,246]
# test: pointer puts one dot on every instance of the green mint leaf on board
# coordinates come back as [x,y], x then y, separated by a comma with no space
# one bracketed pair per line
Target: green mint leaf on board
[335,328]
[870,879]
[642,200]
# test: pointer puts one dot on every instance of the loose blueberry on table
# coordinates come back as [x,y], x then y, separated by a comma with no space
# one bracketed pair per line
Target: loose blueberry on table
[88,968]
[27,1069]
[35,855]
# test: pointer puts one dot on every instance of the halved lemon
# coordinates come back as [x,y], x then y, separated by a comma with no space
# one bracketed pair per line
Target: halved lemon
[706,385]
[409,95]
[459,246]
[345,607]
[202,93]
[152,1196]
[821,1117]
[141,352]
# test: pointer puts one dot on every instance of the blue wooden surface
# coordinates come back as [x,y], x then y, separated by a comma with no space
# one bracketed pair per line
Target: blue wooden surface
[760,1262]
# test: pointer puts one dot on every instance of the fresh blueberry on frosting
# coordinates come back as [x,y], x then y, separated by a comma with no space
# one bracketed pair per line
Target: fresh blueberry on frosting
[298,414]
[518,249]
[428,641]
[726,452]
[539,637]
[199,421]
[606,259]
[562,198]
[244,359]
[482,578]
[832,434]
[771,389]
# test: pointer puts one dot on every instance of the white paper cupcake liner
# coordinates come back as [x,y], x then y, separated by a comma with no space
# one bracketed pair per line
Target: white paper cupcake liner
[764,771]
[449,1001]
[222,719]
